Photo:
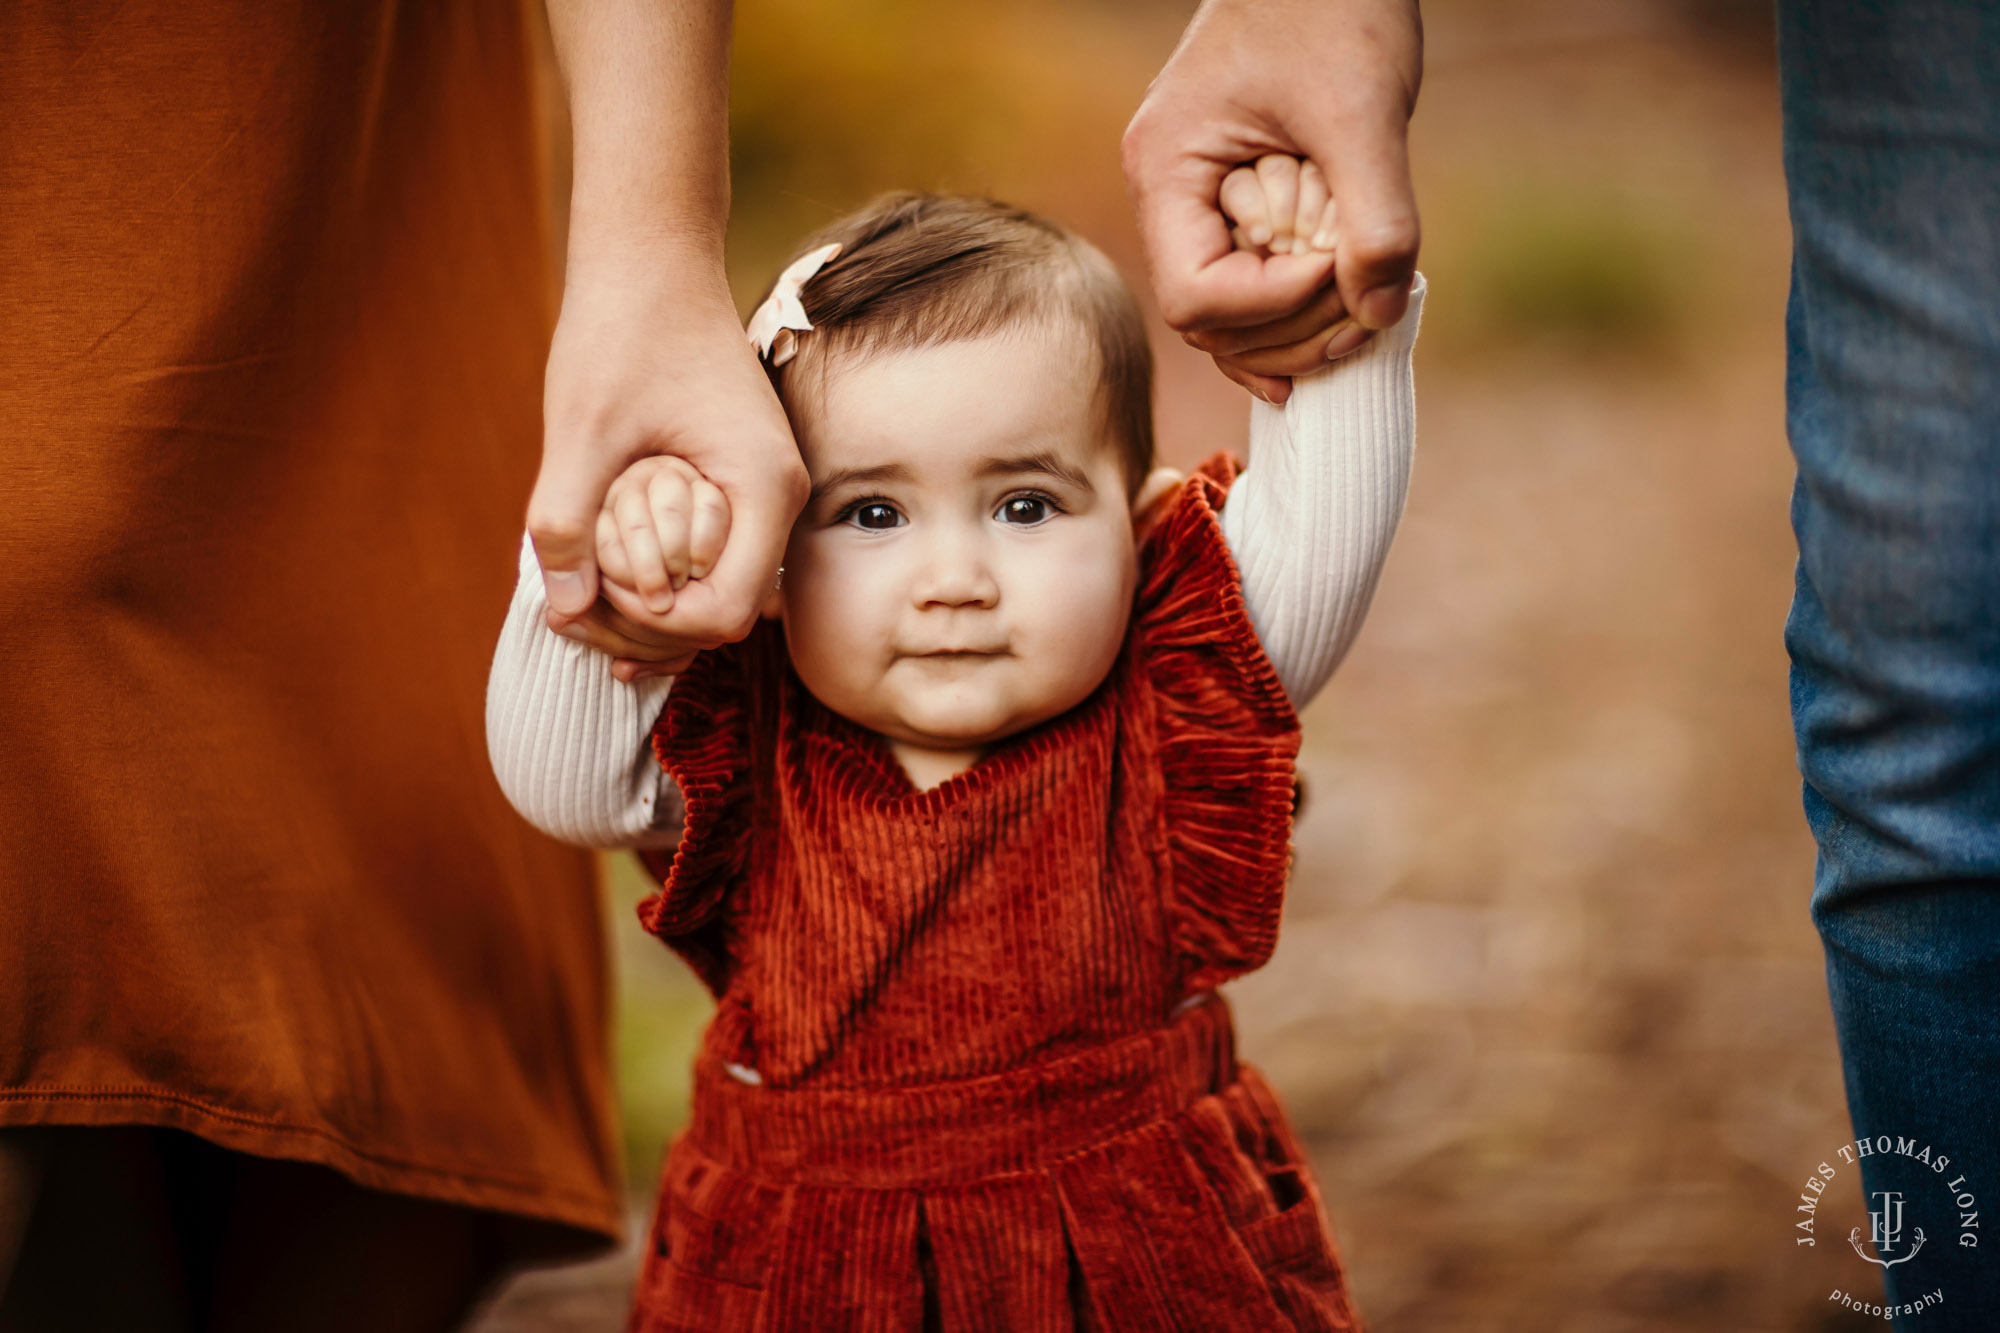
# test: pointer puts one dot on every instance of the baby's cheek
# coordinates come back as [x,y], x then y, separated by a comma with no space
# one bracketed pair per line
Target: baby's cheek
[831,625]
[1080,608]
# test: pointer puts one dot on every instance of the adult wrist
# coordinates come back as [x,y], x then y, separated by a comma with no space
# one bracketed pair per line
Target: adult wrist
[666,248]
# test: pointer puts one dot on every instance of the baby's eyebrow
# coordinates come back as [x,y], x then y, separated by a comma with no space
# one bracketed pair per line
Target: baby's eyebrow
[1045,461]
[845,476]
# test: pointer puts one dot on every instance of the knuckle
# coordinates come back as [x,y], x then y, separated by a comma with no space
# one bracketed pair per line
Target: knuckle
[1268,365]
[1181,313]
[1234,375]
[792,496]
[1136,142]
[720,625]
[1385,241]
[796,481]
[558,529]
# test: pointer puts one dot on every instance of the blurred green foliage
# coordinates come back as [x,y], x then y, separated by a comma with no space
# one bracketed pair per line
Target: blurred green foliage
[661,1012]
[1593,270]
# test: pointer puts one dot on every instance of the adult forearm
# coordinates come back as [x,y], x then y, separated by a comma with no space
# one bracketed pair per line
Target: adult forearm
[648,84]
[649,356]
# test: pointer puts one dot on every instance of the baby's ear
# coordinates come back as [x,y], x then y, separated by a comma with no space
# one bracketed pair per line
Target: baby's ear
[1158,484]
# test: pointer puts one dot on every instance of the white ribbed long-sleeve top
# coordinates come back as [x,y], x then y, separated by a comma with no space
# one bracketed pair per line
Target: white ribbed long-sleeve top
[1309,523]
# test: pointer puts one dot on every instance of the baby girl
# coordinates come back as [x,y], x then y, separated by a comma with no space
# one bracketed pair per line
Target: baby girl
[965,834]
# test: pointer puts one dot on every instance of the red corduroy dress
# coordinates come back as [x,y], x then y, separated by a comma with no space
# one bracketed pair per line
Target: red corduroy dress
[994,1087]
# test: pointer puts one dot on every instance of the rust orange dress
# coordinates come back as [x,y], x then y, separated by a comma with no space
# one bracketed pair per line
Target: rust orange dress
[276,299]
[968,1069]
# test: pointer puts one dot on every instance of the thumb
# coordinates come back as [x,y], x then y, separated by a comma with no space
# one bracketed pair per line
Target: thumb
[562,520]
[726,601]
[1367,167]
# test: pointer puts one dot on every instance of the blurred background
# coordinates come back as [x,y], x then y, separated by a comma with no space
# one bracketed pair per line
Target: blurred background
[1547,1008]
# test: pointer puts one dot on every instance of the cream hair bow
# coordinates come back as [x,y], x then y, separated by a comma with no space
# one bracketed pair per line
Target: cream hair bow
[777,323]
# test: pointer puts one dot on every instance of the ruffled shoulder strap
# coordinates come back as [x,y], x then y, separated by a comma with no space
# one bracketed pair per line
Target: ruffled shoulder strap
[708,739]
[1228,738]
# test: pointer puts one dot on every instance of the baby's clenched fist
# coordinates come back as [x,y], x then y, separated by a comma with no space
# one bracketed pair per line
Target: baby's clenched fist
[1280,206]
[662,524]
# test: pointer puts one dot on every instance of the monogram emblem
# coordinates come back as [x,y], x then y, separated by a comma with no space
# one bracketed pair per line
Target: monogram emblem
[1885,1232]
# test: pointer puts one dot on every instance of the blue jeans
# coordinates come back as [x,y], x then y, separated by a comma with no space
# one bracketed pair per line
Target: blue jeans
[1892,153]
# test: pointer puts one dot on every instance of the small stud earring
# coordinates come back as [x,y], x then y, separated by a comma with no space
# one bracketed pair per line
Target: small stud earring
[779,582]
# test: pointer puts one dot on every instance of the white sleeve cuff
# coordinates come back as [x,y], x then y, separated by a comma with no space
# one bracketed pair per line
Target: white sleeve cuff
[571,745]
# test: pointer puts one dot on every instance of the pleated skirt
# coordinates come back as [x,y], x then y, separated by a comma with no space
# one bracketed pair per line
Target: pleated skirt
[1145,1185]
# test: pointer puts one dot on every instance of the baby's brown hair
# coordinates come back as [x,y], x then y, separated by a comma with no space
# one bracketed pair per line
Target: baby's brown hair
[917,270]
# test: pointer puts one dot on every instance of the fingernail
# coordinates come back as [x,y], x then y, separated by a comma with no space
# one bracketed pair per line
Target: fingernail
[1350,336]
[660,602]
[1378,304]
[572,633]
[1323,240]
[697,572]
[679,581]
[566,591]
[1260,235]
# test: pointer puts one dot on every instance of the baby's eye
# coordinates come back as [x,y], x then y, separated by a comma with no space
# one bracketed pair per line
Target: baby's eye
[1026,510]
[875,516]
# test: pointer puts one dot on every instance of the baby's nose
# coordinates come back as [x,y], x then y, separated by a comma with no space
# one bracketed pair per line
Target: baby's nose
[956,571]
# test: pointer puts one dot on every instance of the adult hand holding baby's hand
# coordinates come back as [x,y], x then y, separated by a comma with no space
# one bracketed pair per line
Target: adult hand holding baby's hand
[641,371]
[663,527]
[1281,206]
[649,356]
[1329,81]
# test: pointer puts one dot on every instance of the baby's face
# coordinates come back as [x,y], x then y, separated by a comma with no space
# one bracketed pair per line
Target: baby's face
[964,568]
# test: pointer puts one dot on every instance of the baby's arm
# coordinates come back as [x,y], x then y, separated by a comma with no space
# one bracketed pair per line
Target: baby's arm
[570,742]
[1310,520]
[572,746]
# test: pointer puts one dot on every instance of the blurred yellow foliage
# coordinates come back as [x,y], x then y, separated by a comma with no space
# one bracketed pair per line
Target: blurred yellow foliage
[831,104]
